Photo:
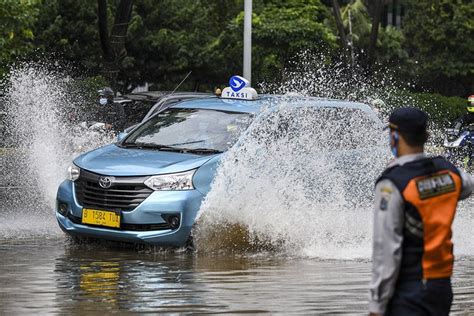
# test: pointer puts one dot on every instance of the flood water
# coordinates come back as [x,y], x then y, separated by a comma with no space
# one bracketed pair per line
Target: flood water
[53,276]
[44,272]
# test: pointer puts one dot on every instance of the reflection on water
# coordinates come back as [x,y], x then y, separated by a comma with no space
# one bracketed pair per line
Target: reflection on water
[56,277]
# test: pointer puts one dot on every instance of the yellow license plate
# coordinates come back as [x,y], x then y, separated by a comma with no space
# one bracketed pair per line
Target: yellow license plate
[102,218]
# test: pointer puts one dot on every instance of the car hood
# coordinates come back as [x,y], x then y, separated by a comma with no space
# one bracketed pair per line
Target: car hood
[115,161]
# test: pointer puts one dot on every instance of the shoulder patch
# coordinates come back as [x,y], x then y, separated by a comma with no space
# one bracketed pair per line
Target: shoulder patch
[435,185]
[386,193]
[383,203]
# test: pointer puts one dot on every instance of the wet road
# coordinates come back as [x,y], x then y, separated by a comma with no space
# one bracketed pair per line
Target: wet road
[53,276]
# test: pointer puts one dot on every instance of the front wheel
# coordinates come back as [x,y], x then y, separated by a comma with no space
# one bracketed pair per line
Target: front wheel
[189,245]
[75,240]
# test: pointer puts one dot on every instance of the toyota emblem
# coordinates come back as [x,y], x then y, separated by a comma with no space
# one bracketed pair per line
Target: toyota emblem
[105,182]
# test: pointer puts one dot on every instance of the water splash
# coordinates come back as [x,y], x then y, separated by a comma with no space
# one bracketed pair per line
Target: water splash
[38,102]
[315,75]
[302,183]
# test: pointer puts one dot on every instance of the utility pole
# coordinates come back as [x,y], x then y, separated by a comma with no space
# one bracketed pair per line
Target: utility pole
[248,40]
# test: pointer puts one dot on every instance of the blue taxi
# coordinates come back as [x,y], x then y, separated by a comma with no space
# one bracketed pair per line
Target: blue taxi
[148,186]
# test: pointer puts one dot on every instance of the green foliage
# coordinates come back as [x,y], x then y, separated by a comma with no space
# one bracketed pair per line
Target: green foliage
[16,19]
[169,38]
[390,48]
[390,40]
[441,109]
[360,22]
[67,29]
[283,29]
[163,49]
[441,34]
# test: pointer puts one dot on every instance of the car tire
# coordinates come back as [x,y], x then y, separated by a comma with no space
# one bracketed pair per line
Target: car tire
[189,245]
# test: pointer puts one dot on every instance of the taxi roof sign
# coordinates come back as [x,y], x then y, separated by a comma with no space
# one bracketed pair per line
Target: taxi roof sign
[239,88]
[237,83]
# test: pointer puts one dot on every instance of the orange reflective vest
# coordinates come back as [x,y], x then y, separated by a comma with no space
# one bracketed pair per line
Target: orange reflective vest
[430,188]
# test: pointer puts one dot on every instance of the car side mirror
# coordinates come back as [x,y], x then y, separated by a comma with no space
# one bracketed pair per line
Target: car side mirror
[121,136]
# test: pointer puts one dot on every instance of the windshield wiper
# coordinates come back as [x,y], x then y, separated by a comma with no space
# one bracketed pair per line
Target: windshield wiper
[151,146]
[202,151]
[187,143]
[128,145]
[171,148]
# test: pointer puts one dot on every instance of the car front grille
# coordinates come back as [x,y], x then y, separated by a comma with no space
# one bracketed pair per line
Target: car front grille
[124,193]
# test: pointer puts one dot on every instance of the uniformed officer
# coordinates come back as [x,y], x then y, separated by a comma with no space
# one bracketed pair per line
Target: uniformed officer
[110,113]
[415,202]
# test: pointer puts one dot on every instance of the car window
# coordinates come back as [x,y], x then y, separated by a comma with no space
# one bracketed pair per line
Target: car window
[192,129]
[164,104]
[135,111]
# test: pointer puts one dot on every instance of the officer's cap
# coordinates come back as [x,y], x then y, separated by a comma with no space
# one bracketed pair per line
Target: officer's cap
[408,120]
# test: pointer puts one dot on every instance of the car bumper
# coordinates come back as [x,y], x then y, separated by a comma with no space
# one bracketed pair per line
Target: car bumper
[153,210]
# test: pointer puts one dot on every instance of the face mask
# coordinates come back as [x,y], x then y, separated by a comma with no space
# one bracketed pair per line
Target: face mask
[394,147]
[103,101]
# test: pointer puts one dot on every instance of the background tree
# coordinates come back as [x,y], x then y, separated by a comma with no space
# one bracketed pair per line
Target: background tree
[360,21]
[66,31]
[163,49]
[17,20]
[283,29]
[441,35]
[168,38]
[336,9]
[357,22]
[113,44]
[376,15]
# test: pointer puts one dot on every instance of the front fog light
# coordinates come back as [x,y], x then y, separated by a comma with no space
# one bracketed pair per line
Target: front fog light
[171,182]
[62,208]
[174,221]
[73,172]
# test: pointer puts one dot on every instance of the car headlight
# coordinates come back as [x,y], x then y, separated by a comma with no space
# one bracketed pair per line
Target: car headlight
[172,182]
[73,172]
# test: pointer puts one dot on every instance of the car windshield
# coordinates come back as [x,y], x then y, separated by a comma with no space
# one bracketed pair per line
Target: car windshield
[191,130]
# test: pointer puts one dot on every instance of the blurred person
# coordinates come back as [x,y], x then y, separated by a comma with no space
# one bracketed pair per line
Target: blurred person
[109,112]
[415,203]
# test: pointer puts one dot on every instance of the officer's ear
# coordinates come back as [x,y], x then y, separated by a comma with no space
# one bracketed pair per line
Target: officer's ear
[394,138]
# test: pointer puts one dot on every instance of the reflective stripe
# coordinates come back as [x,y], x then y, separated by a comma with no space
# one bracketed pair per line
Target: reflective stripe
[413,221]
[414,226]
[414,230]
